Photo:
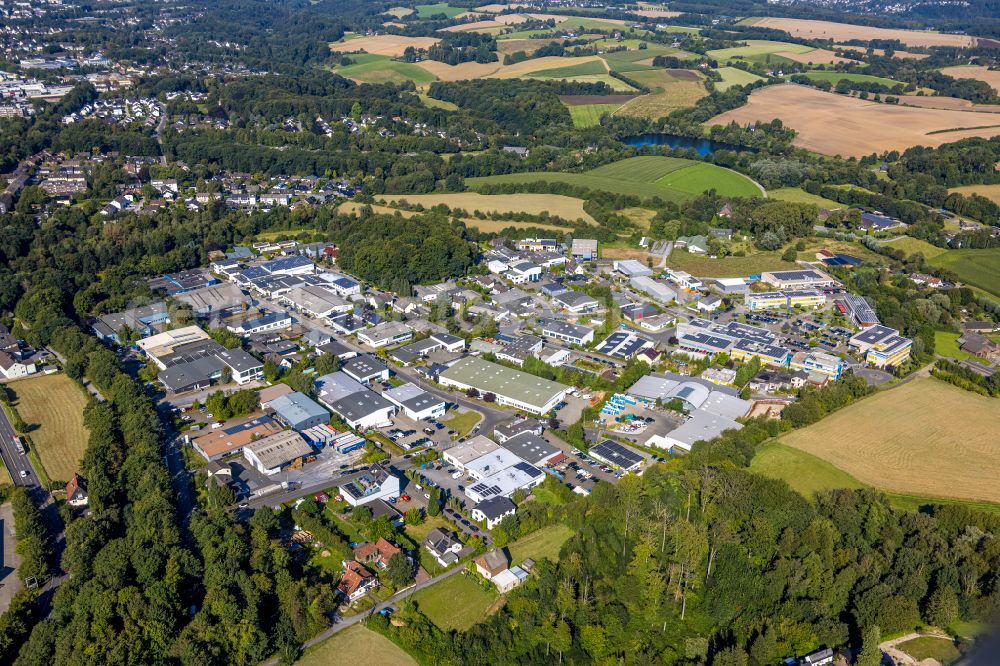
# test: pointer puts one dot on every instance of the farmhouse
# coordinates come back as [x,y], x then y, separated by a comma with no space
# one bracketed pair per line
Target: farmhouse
[511,387]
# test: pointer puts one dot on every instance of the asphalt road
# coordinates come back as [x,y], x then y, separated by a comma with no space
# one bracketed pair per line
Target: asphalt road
[16,463]
[339,623]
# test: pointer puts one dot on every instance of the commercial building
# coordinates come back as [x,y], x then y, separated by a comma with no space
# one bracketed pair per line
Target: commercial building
[386,333]
[291,265]
[532,449]
[770,300]
[511,387]
[576,302]
[583,249]
[250,323]
[700,426]
[731,285]
[271,454]
[623,345]
[745,350]
[571,333]
[519,476]
[416,403]
[141,321]
[882,346]
[366,369]
[359,407]
[217,299]
[821,362]
[230,440]
[490,463]
[859,310]
[518,427]
[800,279]
[465,452]
[298,411]
[316,301]
[375,483]
[631,268]
[188,359]
[616,455]
[660,292]
[520,349]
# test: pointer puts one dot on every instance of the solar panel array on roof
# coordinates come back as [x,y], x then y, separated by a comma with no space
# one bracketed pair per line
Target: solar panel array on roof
[487,490]
[616,454]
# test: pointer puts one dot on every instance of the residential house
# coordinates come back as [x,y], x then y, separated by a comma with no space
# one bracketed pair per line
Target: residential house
[493,511]
[443,546]
[491,563]
[356,581]
[376,553]
[76,491]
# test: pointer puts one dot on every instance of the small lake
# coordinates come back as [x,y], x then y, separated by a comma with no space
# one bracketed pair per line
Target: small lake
[699,145]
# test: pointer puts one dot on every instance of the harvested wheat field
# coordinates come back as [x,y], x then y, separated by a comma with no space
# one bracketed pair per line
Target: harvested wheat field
[672,89]
[474,26]
[568,208]
[840,125]
[881,52]
[950,103]
[656,13]
[991,192]
[844,32]
[54,404]
[461,71]
[496,8]
[388,45]
[486,226]
[922,438]
[991,77]
[815,57]
[542,64]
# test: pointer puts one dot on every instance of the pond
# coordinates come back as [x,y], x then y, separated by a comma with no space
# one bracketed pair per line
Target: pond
[701,146]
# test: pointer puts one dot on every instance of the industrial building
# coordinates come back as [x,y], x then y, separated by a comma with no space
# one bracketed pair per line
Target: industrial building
[416,403]
[270,454]
[298,411]
[800,279]
[511,387]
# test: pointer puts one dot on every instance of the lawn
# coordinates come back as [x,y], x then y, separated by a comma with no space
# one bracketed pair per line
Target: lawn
[924,438]
[911,246]
[931,647]
[804,472]
[437,103]
[946,344]
[455,603]
[644,176]
[977,267]
[578,69]
[633,61]
[427,11]
[756,47]
[704,177]
[383,69]
[834,77]
[798,195]
[356,645]
[544,543]
[463,422]
[589,115]
[731,76]
[54,405]
[701,265]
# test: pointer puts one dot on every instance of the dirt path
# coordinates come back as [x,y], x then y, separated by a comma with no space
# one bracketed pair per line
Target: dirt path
[900,657]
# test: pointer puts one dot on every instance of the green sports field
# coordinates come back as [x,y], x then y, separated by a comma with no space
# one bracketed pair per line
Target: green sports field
[589,115]
[372,68]
[427,11]
[731,76]
[834,77]
[977,267]
[669,178]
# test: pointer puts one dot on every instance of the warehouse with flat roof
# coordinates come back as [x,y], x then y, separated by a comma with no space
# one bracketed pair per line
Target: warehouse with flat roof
[511,387]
